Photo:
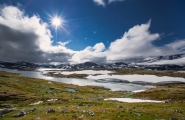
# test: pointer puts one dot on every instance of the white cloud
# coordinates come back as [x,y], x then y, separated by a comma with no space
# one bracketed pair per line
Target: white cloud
[110,1]
[93,54]
[99,47]
[136,42]
[27,38]
[100,2]
[64,43]
[103,3]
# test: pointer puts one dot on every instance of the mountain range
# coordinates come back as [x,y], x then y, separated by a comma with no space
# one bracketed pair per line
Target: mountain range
[166,62]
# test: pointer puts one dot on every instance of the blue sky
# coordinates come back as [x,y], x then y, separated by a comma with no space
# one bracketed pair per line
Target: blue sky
[104,23]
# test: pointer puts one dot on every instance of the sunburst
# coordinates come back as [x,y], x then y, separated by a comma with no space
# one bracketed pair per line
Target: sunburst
[57,22]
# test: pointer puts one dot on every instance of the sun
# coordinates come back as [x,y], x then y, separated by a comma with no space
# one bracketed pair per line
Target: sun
[57,22]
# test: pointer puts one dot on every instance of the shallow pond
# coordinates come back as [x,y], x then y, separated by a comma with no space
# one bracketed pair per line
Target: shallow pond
[71,90]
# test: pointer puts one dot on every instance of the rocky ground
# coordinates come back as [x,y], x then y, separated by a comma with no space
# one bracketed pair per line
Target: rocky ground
[23,98]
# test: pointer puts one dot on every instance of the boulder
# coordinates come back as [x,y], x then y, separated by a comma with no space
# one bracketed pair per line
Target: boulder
[51,110]
[20,113]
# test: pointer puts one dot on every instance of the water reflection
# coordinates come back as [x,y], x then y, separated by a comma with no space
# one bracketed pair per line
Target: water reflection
[113,84]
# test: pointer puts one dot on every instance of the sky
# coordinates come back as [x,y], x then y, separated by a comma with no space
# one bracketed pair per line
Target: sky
[101,31]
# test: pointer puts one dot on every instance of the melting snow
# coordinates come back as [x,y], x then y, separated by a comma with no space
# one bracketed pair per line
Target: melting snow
[130,100]
[136,77]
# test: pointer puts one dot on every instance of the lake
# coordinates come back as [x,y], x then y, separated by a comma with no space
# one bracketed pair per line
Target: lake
[111,84]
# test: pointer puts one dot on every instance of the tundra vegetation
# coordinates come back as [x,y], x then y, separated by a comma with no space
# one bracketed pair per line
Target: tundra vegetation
[23,98]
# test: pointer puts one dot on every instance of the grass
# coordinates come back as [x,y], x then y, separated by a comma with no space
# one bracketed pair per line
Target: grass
[52,74]
[22,91]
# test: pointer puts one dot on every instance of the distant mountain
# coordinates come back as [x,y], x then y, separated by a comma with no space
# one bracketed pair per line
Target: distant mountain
[165,57]
[176,59]
[166,62]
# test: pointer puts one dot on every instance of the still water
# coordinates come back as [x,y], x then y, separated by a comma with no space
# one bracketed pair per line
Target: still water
[114,84]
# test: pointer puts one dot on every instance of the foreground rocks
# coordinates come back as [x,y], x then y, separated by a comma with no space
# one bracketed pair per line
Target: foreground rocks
[20,113]
[5,109]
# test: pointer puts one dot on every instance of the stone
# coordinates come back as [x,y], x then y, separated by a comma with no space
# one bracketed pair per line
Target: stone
[83,111]
[178,111]
[51,110]
[173,119]
[91,113]
[64,111]
[38,118]
[138,114]
[33,109]
[80,104]
[81,117]
[5,111]
[120,106]
[20,113]
[74,116]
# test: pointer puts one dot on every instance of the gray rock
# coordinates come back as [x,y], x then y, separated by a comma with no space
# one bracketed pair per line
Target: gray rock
[5,111]
[138,114]
[178,111]
[20,114]
[83,111]
[91,113]
[81,117]
[64,111]
[38,118]
[51,110]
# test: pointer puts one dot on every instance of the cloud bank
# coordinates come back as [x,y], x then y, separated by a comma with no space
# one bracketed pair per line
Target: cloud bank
[28,38]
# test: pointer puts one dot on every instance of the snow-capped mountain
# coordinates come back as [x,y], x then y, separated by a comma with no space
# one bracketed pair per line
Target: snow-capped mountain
[176,59]
[166,62]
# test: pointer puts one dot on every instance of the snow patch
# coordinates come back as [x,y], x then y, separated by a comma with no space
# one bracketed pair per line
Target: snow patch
[131,100]
[136,77]
[89,72]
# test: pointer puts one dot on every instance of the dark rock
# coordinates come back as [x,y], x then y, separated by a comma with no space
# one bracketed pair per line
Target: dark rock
[33,109]
[178,111]
[120,106]
[74,116]
[80,104]
[20,114]
[173,119]
[51,110]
